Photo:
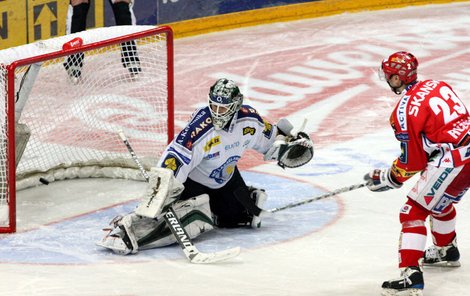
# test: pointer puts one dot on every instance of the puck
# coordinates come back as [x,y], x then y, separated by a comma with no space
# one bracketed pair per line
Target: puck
[43,181]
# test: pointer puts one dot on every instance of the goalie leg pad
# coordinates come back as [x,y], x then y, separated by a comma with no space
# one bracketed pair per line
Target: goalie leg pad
[195,216]
[133,232]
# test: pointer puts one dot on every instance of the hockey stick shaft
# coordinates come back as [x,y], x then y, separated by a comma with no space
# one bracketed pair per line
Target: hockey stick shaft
[323,196]
[133,155]
[181,235]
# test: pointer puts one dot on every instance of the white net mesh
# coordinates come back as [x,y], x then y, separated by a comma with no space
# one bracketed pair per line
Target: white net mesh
[75,105]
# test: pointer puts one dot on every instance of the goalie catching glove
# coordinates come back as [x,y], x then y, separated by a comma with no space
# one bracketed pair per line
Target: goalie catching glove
[381,180]
[291,152]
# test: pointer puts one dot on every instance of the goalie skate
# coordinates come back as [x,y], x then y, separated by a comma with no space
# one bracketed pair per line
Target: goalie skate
[114,242]
[447,256]
[119,239]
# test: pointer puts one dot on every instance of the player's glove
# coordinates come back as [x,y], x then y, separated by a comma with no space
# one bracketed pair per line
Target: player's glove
[381,180]
[290,151]
[297,152]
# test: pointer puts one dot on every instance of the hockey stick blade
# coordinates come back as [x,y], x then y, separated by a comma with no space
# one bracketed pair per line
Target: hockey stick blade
[189,249]
[309,200]
[207,258]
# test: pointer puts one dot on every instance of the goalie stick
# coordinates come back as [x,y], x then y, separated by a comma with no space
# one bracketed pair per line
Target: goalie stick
[182,237]
[323,196]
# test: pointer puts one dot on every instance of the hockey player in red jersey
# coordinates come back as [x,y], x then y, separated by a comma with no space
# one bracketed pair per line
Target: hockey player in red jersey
[433,127]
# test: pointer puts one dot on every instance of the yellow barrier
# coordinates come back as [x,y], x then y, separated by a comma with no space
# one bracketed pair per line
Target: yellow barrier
[24,22]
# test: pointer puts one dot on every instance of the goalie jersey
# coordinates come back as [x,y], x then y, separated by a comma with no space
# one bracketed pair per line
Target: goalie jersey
[209,156]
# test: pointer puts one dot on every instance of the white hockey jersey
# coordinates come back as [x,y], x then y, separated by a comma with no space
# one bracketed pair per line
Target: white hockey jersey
[209,156]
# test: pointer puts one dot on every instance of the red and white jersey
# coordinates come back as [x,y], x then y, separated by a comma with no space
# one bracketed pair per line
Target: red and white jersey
[433,126]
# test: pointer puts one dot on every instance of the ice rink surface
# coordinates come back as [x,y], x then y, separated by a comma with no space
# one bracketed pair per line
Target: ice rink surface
[322,69]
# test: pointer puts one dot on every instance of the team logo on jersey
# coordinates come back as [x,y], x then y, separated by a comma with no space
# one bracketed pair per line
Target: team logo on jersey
[211,143]
[172,162]
[268,129]
[225,171]
[249,130]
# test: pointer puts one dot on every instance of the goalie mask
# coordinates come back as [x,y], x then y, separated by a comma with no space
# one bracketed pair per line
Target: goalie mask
[225,100]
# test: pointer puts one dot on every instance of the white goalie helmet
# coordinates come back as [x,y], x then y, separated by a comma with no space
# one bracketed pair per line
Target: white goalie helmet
[225,100]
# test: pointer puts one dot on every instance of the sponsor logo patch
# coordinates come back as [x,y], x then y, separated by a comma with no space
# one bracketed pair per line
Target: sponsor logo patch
[404,152]
[249,130]
[402,137]
[268,129]
[405,209]
[401,113]
[211,143]
[231,146]
[212,155]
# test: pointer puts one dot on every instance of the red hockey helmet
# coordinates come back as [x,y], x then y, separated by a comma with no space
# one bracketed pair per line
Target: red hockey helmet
[401,63]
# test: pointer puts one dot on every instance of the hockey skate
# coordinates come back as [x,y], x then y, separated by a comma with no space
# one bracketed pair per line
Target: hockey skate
[117,238]
[447,256]
[410,283]
[134,68]
[130,58]
[74,74]
[73,65]
[114,241]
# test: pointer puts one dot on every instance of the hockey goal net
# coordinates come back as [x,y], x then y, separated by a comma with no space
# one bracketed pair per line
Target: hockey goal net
[63,106]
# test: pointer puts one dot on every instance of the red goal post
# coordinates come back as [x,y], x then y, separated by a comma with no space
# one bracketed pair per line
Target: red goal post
[64,105]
